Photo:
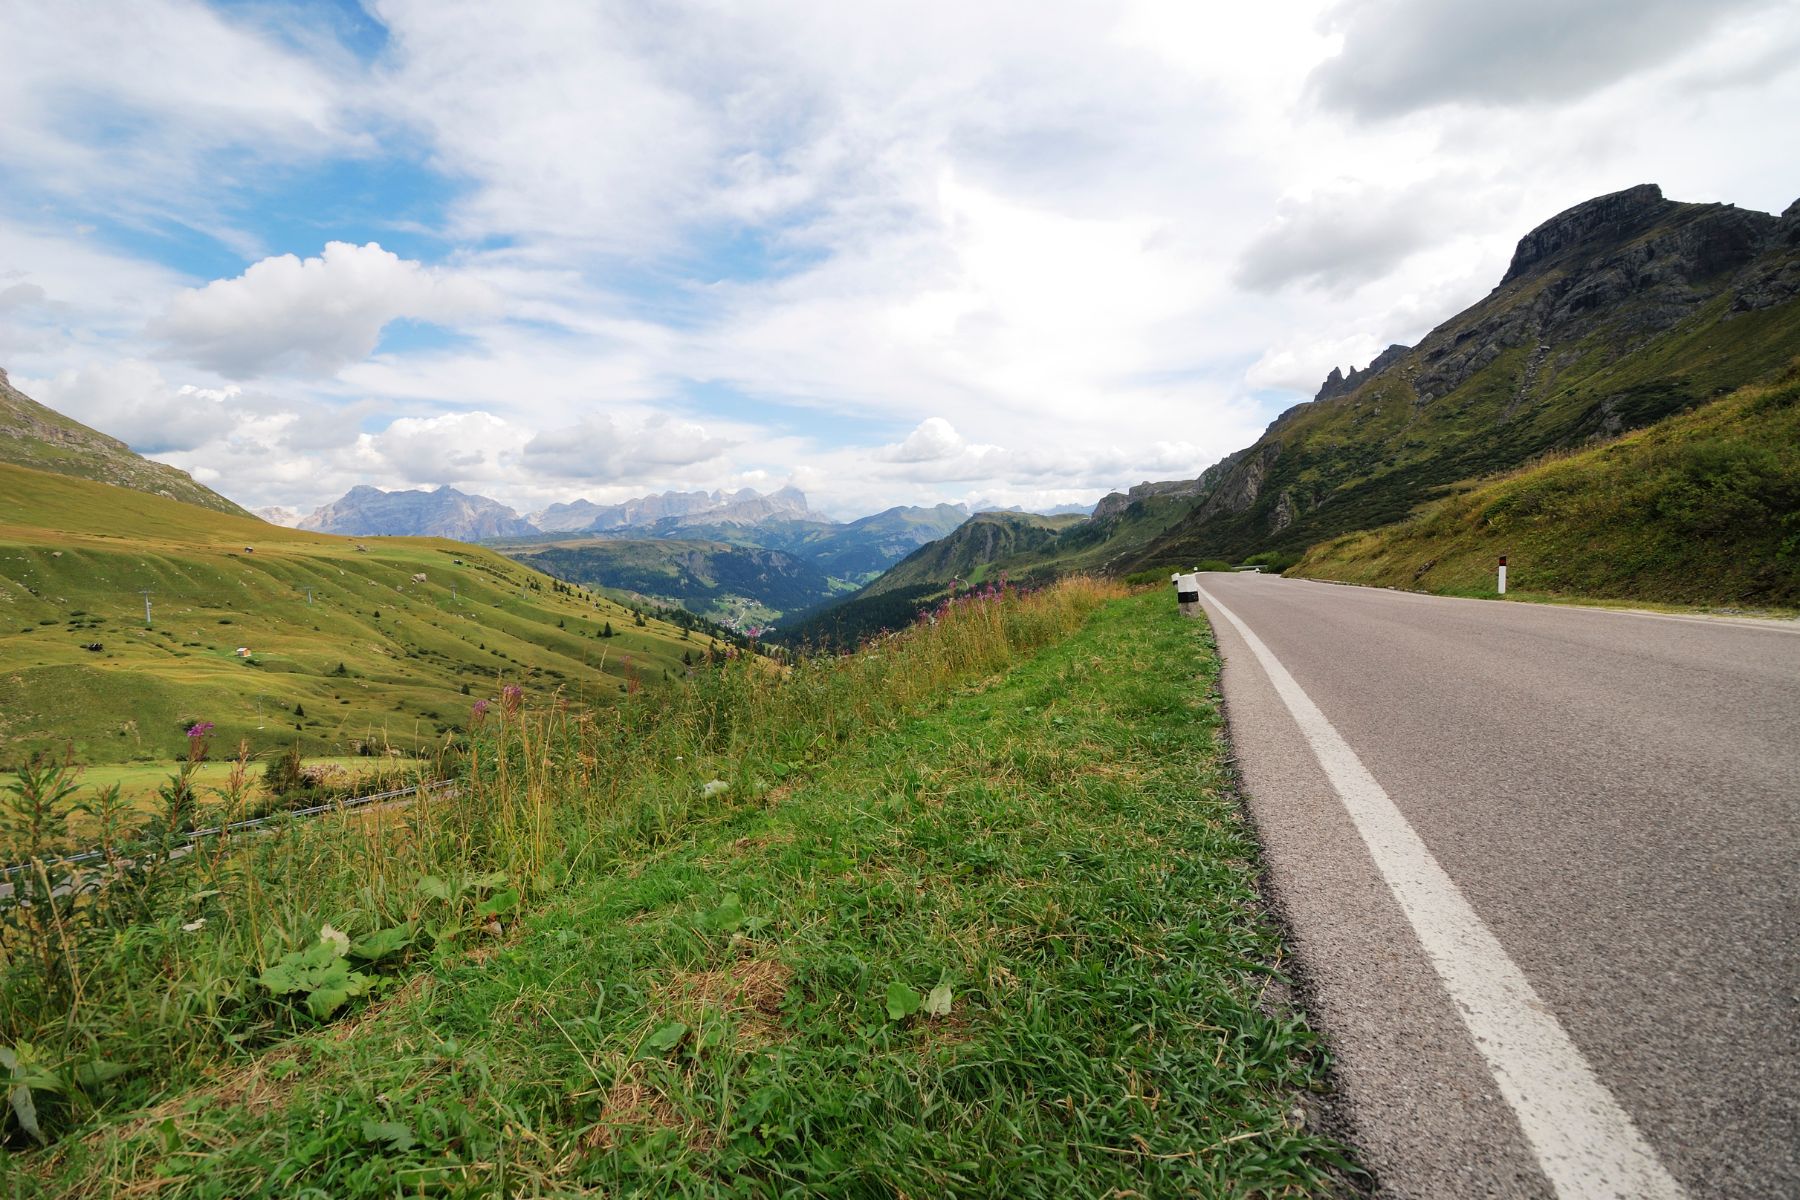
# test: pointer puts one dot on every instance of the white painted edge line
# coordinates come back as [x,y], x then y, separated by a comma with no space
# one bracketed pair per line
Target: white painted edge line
[1587,1145]
[1715,620]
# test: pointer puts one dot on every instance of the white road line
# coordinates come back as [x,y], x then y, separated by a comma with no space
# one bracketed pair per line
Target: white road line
[1587,1145]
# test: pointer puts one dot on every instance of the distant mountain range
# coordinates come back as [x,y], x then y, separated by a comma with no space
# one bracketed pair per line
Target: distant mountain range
[674,510]
[1613,315]
[741,573]
[744,558]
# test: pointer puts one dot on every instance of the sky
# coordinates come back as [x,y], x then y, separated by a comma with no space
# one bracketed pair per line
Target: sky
[999,253]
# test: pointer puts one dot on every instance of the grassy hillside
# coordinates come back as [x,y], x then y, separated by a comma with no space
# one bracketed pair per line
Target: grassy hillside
[34,436]
[976,552]
[739,586]
[973,916]
[375,656]
[1700,508]
[973,552]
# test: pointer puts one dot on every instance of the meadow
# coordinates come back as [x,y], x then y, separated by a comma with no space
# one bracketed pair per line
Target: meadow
[970,911]
[276,637]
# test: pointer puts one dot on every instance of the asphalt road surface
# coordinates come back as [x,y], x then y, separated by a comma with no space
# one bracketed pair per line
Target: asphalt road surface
[1539,864]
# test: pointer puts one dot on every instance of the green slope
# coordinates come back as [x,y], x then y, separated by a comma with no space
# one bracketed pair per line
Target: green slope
[34,436]
[1700,508]
[74,555]
[975,553]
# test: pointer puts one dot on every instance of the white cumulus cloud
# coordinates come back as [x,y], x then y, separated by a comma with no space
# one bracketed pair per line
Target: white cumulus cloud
[311,316]
[602,449]
[130,400]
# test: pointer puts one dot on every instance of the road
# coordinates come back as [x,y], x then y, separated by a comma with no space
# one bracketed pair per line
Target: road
[1539,866]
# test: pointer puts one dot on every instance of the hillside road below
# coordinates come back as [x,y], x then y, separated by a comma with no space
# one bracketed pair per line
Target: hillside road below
[1539,868]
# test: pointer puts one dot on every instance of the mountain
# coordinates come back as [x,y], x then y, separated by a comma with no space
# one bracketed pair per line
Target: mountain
[1114,503]
[738,586]
[1612,315]
[970,556]
[346,643]
[741,575]
[32,435]
[863,548]
[370,512]
[973,550]
[854,552]
[674,510]
[280,514]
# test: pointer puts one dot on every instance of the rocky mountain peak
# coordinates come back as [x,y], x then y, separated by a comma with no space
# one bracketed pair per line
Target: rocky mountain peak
[1613,217]
[1339,384]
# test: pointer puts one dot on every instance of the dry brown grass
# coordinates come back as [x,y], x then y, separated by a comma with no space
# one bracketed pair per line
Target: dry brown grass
[750,990]
[634,1107]
[631,1105]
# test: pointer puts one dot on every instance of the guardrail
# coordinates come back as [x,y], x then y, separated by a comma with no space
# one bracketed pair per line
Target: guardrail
[194,836]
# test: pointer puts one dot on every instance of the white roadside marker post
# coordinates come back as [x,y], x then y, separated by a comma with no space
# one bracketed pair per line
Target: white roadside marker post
[1503,574]
[1187,594]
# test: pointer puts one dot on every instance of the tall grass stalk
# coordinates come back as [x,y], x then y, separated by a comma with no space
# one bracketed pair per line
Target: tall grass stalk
[171,952]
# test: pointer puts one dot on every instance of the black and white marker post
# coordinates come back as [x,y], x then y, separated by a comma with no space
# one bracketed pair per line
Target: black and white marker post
[1187,594]
[1502,585]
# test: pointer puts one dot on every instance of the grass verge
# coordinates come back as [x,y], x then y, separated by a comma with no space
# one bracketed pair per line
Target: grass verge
[1007,945]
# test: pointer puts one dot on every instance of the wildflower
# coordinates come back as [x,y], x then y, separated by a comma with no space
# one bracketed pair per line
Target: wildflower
[336,938]
[478,712]
[512,696]
[199,729]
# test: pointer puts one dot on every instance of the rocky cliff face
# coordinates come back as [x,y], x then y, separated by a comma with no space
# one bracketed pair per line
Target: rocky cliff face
[446,512]
[1114,503]
[1612,314]
[32,435]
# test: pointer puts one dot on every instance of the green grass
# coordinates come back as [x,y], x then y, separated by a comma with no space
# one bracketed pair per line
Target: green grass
[75,554]
[726,994]
[1699,509]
